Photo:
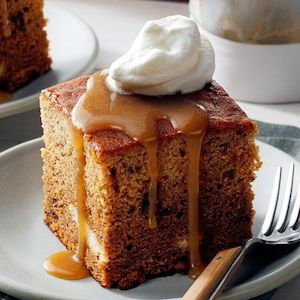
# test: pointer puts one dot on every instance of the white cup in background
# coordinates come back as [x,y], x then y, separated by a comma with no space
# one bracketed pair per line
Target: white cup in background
[261,66]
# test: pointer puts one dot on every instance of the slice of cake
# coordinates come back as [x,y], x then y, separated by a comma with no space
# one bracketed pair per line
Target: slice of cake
[122,249]
[23,43]
[140,186]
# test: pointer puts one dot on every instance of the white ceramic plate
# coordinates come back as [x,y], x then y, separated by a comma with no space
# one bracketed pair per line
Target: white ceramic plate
[73,49]
[25,241]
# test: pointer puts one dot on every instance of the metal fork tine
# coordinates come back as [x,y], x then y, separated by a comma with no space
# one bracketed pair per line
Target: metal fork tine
[266,227]
[296,210]
[286,200]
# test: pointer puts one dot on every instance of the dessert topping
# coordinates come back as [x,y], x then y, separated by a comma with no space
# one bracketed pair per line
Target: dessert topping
[168,56]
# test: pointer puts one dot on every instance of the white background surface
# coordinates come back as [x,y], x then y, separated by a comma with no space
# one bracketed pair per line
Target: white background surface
[116,23]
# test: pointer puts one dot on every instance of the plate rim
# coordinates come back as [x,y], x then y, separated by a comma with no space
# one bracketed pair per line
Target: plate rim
[245,290]
[30,102]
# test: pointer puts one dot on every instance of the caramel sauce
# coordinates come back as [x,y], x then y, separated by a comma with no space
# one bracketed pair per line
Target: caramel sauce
[100,109]
[194,143]
[4,21]
[5,96]
[80,192]
[66,264]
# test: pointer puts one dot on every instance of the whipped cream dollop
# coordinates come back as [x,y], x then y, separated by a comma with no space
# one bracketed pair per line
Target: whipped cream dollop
[168,56]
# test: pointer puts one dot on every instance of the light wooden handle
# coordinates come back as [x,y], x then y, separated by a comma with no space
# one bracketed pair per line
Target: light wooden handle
[205,284]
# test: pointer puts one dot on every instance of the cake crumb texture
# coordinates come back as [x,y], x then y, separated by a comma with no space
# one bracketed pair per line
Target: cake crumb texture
[23,43]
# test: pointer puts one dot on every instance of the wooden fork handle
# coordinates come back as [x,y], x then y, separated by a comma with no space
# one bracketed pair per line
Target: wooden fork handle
[208,280]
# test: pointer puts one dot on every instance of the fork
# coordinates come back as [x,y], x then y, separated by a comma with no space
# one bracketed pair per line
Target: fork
[218,273]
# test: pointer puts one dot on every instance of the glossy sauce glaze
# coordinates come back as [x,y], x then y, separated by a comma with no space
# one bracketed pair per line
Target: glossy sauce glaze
[100,109]
[4,96]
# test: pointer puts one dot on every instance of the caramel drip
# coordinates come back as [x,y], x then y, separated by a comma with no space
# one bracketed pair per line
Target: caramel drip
[67,264]
[80,192]
[194,143]
[4,21]
[138,117]
[5,96]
